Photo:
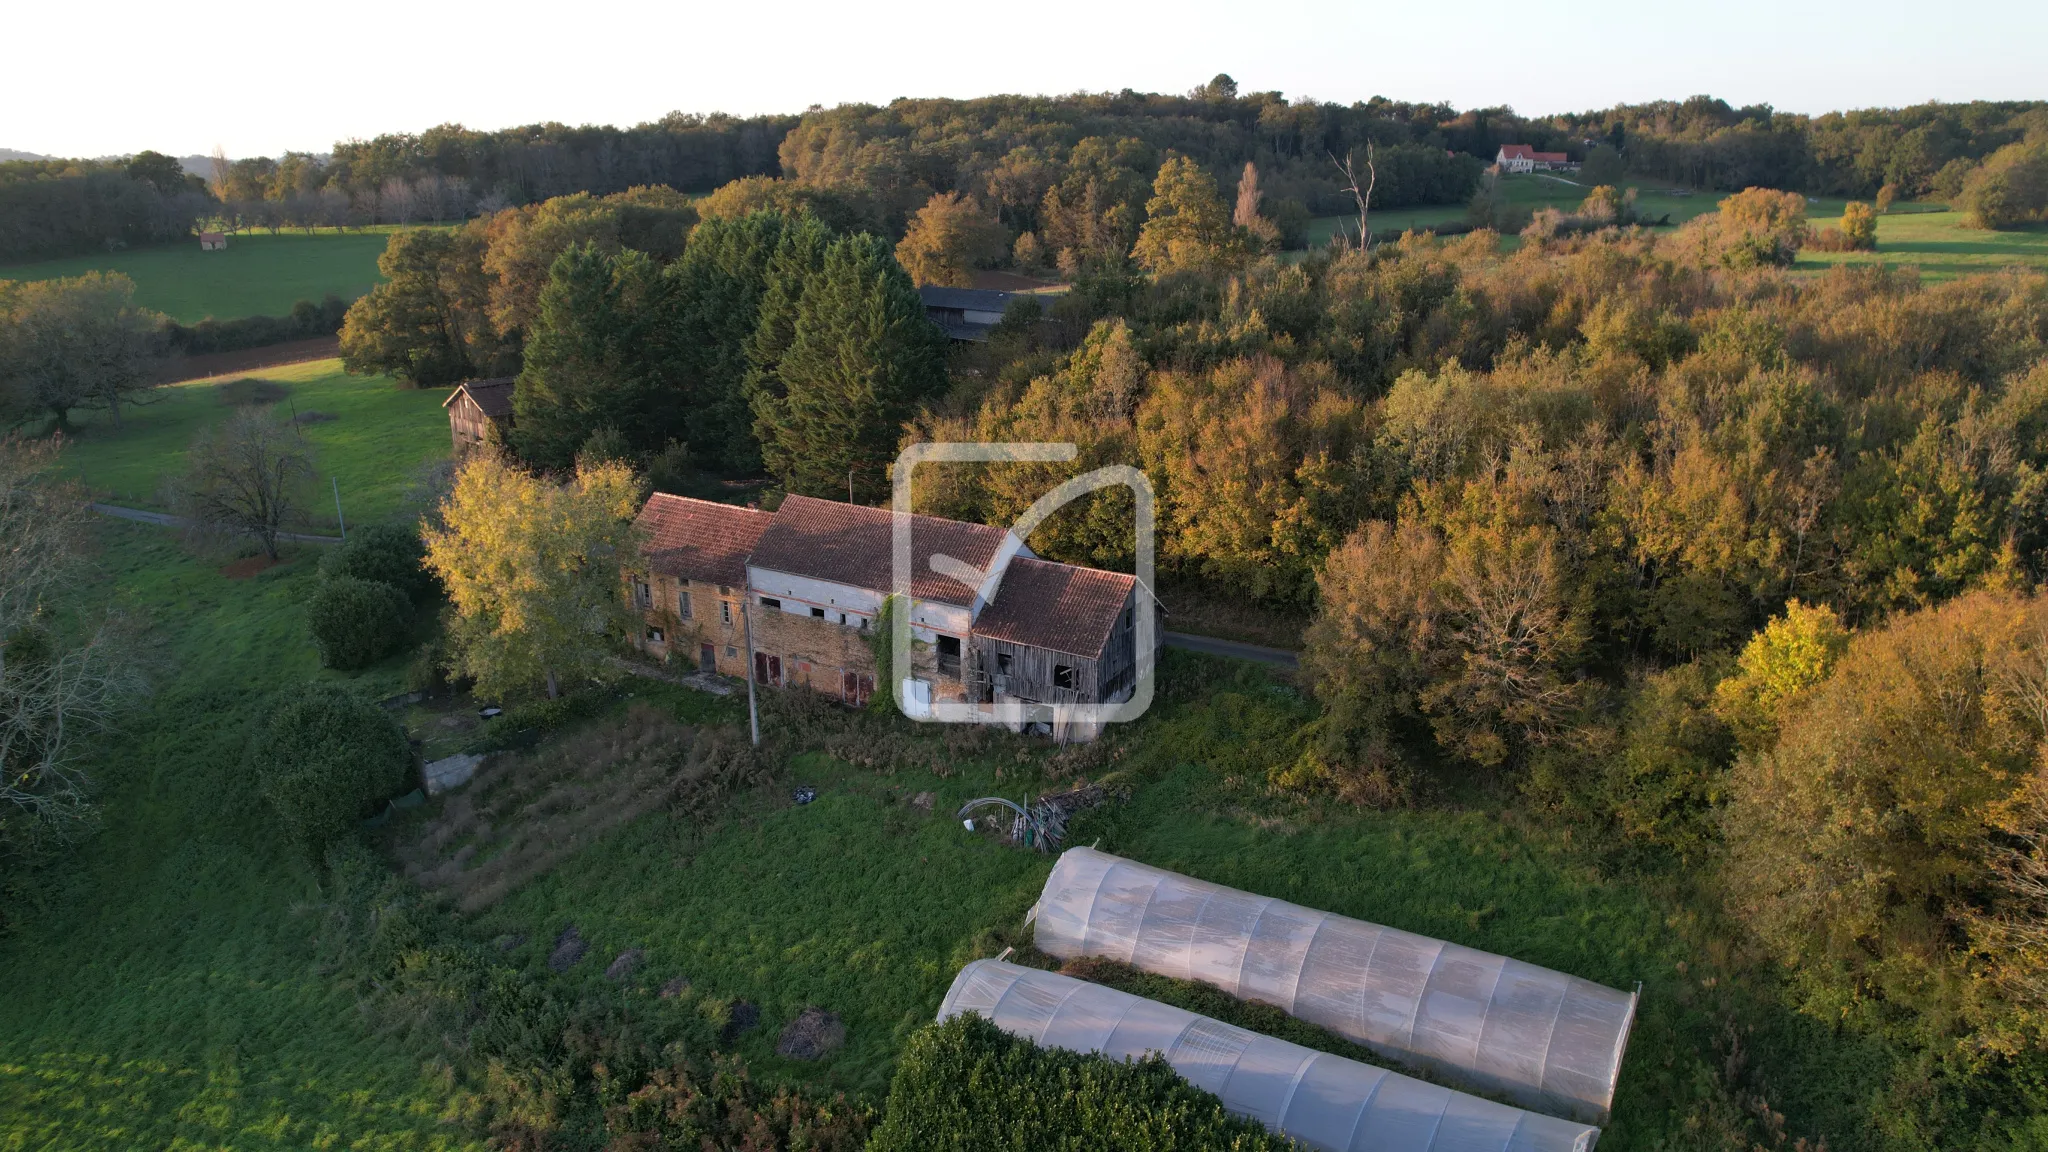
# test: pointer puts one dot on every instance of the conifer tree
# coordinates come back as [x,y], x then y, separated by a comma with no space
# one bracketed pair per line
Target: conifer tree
[718,286]
[593,361]
[861,357]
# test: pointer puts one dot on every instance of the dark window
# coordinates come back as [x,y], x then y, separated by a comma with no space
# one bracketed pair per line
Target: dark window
[1003,662]
[770,602]
[817,613]
[731,651]
[643,596]
[1127,619]
[725,610]
[656,635]
[949,656]
[863,623]
[1062,676]
[683,603]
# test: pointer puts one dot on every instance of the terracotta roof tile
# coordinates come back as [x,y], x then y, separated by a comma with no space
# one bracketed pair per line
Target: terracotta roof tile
[1056,606]
[699,539]
[851,544]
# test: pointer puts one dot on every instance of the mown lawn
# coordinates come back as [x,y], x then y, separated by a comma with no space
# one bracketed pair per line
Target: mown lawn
[378,439]
[163,992]
[256,275]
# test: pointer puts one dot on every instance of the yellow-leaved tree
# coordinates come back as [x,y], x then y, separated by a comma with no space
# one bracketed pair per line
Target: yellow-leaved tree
[532,568]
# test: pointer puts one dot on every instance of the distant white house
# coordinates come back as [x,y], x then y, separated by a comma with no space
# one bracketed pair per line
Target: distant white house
[212,241]
[1523,158]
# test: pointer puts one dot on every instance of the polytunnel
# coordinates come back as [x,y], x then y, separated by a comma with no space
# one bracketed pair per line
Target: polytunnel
[1538,1037]
[1326,1102]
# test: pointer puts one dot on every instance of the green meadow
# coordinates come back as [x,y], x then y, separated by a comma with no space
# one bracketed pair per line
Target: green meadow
[256,275]
[365,432]
[1927,237]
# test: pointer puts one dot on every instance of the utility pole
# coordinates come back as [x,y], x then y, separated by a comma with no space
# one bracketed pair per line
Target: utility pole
[747,626]
[337,508]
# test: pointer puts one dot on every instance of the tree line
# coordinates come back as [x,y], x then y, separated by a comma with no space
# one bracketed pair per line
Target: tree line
[1069,171]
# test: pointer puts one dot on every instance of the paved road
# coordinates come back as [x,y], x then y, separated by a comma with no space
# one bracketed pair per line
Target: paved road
[166,520]
[1233,649]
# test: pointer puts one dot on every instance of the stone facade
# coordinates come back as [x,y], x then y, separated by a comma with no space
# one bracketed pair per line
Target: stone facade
[714,620]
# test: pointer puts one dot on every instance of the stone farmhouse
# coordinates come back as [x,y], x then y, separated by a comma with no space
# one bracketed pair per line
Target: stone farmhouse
[1523,158]
[802,587]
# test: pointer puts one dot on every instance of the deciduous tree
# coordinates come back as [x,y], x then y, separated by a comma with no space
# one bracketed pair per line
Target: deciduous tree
[532,569]
[249,477]
[76,343]
[948,239]
[1187,228]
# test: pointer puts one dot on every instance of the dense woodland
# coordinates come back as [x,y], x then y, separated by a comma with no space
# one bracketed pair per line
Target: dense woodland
[1072,171]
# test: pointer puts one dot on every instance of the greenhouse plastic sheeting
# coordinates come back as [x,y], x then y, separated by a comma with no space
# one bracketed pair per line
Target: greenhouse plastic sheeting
[1324,1101]
[1537,1037]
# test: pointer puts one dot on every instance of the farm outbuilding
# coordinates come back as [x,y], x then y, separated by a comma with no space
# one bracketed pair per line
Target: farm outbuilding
[1541,1038]
[1324,1101]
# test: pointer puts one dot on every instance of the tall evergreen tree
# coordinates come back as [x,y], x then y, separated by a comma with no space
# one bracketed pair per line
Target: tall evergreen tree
[717,287]
[799,257]
[861,357]
[593,361]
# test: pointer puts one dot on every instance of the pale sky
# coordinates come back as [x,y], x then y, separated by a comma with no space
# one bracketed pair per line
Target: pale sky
[257,78]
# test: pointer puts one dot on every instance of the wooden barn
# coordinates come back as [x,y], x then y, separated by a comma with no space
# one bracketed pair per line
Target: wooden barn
[479,411]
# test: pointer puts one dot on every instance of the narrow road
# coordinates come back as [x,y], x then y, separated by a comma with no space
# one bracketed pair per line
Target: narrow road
[166,520]
[1236,650]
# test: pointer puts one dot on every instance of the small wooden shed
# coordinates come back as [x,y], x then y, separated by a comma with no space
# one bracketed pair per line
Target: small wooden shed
[212,241]
[479,412]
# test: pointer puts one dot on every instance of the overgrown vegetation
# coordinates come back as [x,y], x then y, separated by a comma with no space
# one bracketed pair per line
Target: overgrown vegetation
[323,757]
[968,1084]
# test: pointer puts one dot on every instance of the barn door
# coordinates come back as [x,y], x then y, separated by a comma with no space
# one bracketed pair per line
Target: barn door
[707,659]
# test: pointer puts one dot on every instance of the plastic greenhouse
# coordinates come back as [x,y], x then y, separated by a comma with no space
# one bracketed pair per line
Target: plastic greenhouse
[1324,1101]
[1540,1038]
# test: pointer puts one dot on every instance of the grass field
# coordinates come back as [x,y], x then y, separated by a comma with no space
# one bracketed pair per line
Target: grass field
[378,438]
[1923,236]
[257,274]
[1940,247]
[164,994]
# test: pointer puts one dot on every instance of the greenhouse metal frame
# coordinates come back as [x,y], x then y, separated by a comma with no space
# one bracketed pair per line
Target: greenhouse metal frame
[1325,1101]
[1540,1038]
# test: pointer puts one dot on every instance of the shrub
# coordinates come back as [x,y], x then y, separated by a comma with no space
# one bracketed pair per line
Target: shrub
[968,1084]
[324,756]
[385,553]
[357,622]
[1859,227]
[2010,189]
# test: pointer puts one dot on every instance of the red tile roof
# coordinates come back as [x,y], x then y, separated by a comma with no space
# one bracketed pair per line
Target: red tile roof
[493,396]
[1527,152]
[852,544]
[699,539]
[1056,606]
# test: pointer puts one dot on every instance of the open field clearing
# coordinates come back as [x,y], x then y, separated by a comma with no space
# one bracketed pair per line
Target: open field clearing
[163,993]
[256,275]
[1939,246]
[367,432]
